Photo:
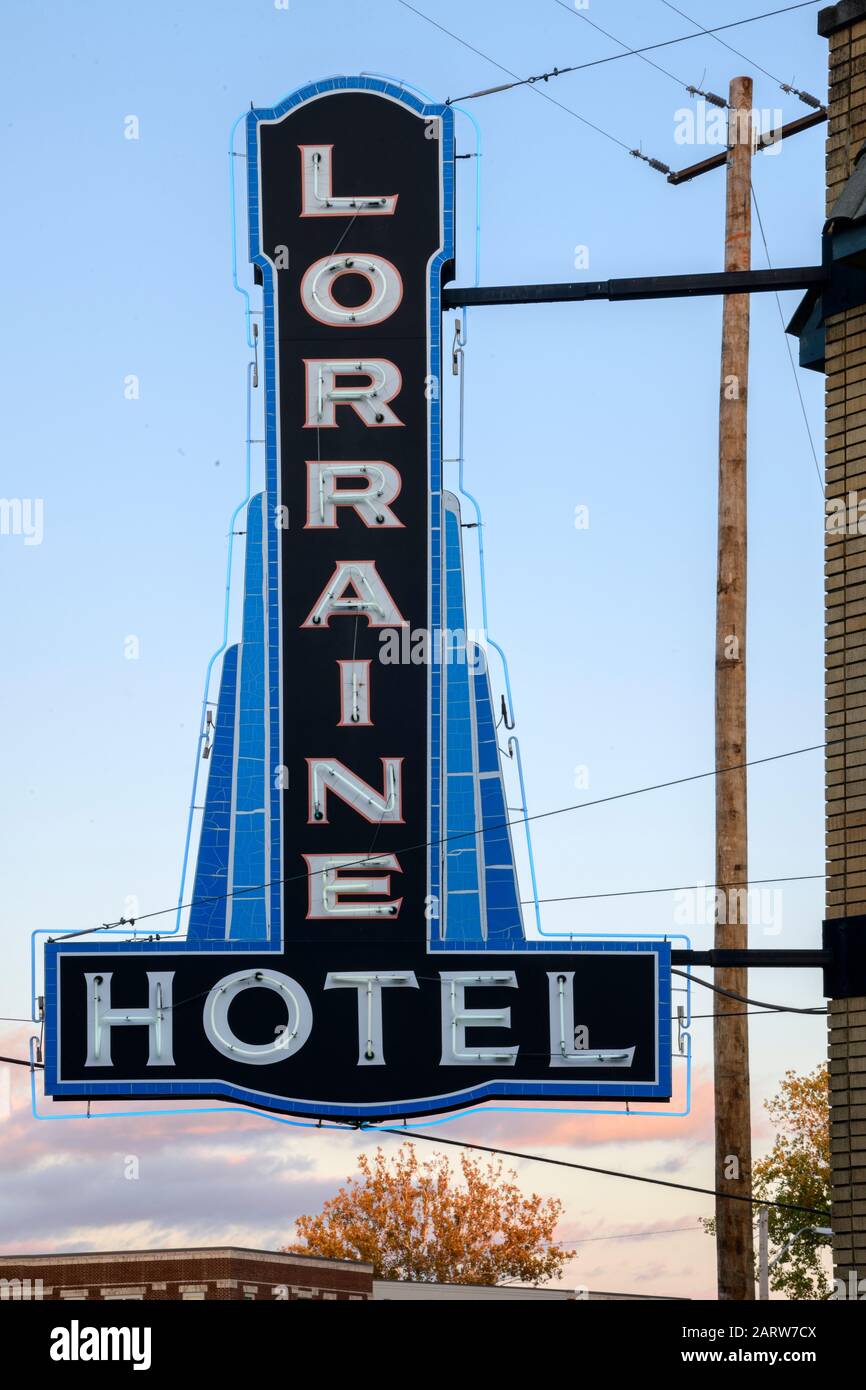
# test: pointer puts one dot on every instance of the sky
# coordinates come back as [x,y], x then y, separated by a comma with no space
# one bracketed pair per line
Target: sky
[117,263]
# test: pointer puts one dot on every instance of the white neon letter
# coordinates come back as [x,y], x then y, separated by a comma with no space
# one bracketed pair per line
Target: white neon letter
[562,1032]
[371,599]
[456,1018]
[354,694]
[317,195]
[382,276]
[369,401]
[156,1018]
[381,483]
[328,885]
[370,1047]
[330,775]
[291,1039]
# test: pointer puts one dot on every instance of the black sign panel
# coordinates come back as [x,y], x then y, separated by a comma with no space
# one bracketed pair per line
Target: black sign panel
[363,143]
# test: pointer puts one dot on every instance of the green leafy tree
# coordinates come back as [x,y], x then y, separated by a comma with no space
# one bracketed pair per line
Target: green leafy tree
[797,1170]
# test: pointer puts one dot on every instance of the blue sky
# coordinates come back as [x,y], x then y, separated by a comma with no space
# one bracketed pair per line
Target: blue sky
[117,261]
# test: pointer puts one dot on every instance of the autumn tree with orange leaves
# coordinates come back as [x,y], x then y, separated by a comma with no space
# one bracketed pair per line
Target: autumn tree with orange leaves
[412,1220]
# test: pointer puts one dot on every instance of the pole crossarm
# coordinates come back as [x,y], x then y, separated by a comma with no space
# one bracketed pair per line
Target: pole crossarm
[842,957]
[641,287]
[772,137]
[756,958]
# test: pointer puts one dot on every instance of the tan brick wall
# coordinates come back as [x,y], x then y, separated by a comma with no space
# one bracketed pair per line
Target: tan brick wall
[848,1135]
[845,648]
[847,103]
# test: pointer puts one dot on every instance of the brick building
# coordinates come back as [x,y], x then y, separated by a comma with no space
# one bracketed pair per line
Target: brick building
[836,344]
[224,1272]
[227,1272]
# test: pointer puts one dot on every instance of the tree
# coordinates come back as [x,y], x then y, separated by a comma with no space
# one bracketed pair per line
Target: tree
[797,1170]
[411,1220]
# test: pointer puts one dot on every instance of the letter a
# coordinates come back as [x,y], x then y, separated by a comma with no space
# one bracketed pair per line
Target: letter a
[371,598]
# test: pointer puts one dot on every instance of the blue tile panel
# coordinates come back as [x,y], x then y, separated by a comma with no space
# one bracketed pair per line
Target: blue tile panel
[502,898]
[482,901]
[207,919]
[246,917]
[463,916]
[232,857]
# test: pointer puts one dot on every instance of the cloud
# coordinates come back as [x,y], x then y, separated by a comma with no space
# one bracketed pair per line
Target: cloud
[201,1178]
[217,1176]
[538,1128]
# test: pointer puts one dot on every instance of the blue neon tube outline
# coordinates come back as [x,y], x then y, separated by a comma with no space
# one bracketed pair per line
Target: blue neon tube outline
[219,651]
[235,514]
[445,1119]
[420,1123]
[461,487]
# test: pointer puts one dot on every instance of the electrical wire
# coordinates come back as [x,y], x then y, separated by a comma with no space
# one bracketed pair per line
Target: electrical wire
[788,347]
[598,62]
[728,46]
[587,1168]
[627,1235]
[805,97]
[745,1013]
[518,81]
[170,1008]
[742,998]
[678,888]
[462,835]
[555,1162]
[632,52]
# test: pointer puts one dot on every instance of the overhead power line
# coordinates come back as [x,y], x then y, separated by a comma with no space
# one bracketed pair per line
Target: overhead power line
[587,1168]
[518,81]
[805,97]
[789,349]
[596,62]
[627,1235]
[631,52]
[745,1013]
[462,835]
[710,34]
[678,888]
[742,998]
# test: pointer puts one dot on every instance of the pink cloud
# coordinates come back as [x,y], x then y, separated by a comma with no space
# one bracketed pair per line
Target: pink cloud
[582,1130]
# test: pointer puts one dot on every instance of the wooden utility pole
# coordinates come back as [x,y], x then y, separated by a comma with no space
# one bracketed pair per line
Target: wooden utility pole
[734,1246]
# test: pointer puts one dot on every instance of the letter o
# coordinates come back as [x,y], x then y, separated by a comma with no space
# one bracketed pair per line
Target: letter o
[317,286]
[216,1017]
